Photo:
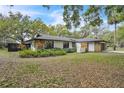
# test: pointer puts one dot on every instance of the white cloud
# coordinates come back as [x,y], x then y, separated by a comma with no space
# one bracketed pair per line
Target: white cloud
[5,9]
[29,13]
[57,17]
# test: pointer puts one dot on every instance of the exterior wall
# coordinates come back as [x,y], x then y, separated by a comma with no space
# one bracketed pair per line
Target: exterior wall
[91,46]
[70,44]
[81,47]
[39,44]
[84,46]
[33,46]
[58,44]
[98,47]
[78,46]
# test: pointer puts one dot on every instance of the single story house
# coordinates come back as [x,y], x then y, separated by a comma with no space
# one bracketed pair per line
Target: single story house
[90,45]
[46,41]
[82,45]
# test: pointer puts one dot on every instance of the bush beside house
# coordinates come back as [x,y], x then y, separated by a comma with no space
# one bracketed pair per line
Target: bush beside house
[70,50]
[41,53]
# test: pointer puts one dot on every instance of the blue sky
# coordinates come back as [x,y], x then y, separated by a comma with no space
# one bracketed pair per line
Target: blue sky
[52,16]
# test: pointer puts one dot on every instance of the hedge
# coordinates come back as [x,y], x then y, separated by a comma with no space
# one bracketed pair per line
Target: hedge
[70,50]
[41,53]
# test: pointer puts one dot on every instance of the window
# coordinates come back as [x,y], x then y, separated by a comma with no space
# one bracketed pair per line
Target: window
[73,44]
[49,44]
[65,44]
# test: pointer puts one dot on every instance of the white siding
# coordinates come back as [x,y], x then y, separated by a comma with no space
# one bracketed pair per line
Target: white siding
[70,44]
[33,46]
[79,49]
[78,46]
[91,47]
[58,44]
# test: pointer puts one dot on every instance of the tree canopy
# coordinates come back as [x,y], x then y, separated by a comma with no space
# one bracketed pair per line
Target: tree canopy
[20,27]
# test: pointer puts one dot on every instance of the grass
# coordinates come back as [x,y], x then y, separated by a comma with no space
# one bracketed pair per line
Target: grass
[118,49]
[71,70]
[5,53]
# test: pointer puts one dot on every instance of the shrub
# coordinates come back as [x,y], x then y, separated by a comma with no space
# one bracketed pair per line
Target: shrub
[59,52]
[27,53]
[42,53]
[45,54]
[70,50]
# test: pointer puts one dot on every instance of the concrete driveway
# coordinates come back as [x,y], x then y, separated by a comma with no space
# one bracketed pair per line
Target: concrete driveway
[122,52]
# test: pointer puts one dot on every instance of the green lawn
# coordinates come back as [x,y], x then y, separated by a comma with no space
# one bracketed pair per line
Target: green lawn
[6,54]
[71,70]
[118,49]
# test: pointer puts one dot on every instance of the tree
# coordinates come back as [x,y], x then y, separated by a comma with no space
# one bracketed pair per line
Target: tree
[120,35]
[71,15]
[61,30]
[92,16]
[85,31]
[115,15]
[37,27]
[26,28]
[76,34]
[4,29]
[20,28]
[108,36]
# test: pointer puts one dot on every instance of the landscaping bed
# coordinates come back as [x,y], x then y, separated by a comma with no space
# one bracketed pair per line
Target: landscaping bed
[70,50]
[41,53]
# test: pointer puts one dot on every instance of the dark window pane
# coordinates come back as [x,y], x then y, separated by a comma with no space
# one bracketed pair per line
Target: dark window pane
[73,44]
[65,44]
[49,44]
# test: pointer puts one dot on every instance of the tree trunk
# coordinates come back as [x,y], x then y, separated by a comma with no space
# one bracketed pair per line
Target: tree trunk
[114,47]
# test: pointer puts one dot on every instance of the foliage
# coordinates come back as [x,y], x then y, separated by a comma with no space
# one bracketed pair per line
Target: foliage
[19,27]
[114,14]
[71,15]
[108,36]
[60,30]
[70,50]
[120,36]
[92,16]
[85,31]
[42,53]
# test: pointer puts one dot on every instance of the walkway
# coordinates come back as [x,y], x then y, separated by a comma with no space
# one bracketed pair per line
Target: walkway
[122,52]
